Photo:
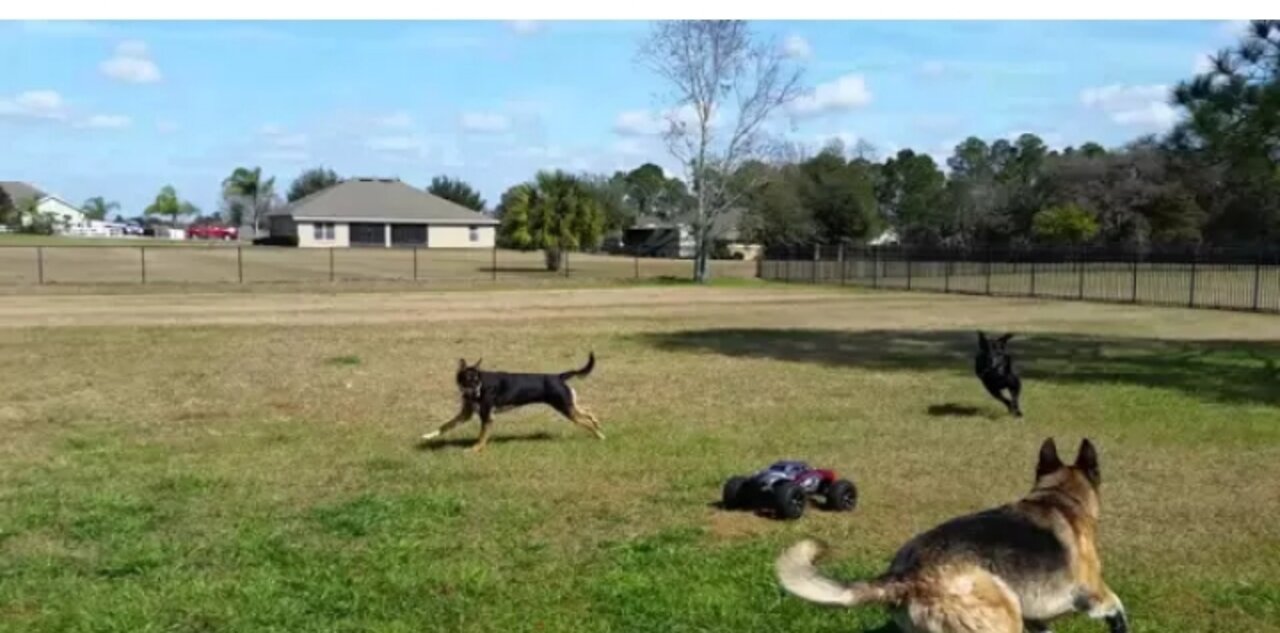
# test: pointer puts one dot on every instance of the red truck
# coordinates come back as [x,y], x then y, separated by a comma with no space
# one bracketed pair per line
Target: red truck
[212,232]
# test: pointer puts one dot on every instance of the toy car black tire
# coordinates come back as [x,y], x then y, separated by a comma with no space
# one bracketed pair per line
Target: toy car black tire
[841,496]
[732,498]
[788,500]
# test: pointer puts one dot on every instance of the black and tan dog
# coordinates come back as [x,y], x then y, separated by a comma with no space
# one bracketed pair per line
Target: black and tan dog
[1025,563]
[489,392]
[994,366]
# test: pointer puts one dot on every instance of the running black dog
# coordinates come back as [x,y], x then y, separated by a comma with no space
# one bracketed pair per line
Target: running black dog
[489,392]
[994,366]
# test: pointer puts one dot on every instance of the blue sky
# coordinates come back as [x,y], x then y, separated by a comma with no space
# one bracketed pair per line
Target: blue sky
[121,109]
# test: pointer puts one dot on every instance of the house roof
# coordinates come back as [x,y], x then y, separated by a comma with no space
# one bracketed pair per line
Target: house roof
[21,190]
[723,226]
[380,200]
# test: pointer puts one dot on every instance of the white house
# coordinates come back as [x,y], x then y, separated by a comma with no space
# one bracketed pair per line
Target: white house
[66,215]
[381,212]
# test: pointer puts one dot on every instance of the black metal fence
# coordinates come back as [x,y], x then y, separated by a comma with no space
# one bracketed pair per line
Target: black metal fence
[187,263]
[1221,277]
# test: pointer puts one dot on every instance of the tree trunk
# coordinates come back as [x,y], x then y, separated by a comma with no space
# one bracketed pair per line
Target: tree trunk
[554,258]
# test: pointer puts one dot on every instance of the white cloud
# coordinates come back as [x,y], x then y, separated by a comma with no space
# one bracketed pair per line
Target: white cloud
[485,122]
[1137,106]
[648,123]
[841,95]
[131,64]
[394,145]
[639,123]
[396,120]
[1234,28]
[34,104]
[166,127]
[277,137]
[524,27]
[106,122]
[796,47]
[1202,64]
[1160,116]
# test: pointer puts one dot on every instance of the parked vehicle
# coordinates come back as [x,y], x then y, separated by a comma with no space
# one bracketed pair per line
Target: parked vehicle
[212,232]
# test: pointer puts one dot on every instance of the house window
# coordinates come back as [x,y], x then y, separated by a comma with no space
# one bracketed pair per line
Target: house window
[475,234]
[323,231]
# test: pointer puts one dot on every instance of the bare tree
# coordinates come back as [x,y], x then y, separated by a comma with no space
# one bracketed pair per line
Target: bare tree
[724,85]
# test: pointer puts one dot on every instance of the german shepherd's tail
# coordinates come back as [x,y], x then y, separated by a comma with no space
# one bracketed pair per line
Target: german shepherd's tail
[584,372]
[798,575]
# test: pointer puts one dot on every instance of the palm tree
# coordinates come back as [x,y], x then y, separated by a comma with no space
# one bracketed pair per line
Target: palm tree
[97,208]
[249,185]
[556,212]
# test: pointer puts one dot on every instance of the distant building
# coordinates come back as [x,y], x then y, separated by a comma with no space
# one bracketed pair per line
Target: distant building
[381,212]
[656,237]
[66,216]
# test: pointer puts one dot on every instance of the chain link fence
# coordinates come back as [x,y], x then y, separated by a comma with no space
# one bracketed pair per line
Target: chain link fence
[1232,278]
[184,263]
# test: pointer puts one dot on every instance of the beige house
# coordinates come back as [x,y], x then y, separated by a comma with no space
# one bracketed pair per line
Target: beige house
[66,217]
[381,212]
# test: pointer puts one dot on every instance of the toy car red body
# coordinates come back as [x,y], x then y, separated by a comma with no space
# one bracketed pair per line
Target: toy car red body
[212,232]
[785,487]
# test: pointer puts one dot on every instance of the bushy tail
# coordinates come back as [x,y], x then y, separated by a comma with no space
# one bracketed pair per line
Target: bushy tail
[585,371]
[798,575]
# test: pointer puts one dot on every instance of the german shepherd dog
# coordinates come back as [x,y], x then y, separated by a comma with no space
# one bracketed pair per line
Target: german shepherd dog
[996,571]
[489,392]
[994,366]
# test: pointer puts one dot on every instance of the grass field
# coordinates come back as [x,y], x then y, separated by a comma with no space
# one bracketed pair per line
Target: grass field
[202,463]
[125,262]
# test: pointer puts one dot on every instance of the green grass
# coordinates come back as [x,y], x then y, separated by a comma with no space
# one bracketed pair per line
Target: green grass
[251,464]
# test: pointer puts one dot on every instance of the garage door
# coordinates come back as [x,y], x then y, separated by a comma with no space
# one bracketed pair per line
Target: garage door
[363,234]
[408,235]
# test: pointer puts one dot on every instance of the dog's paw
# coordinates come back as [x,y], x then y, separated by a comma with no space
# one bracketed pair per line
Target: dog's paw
[430,436]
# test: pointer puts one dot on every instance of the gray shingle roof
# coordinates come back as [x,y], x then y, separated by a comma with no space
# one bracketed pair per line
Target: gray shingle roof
[20,190]
[375,199]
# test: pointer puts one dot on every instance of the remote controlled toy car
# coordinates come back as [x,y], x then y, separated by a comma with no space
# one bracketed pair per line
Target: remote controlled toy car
[785,487]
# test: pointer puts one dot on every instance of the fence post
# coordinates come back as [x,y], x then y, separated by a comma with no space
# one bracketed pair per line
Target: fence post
[1033,275]
[988,271]
[493,267]
[415,263]
[1191,295]
[330,264]
[787,269]
[946,275]
[566,264]
[240,263]
[1257,279]
[40,264]
[144,265]
[844,266]
[1080,269]
[817,254]
[1133,291]
[636,257]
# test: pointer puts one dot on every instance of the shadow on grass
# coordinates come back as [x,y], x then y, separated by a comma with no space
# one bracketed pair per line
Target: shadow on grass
[1220,371]
[467,442]
[953,410]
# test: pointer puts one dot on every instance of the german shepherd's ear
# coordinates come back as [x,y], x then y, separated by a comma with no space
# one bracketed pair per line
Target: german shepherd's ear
[983,343]
[1087,462]
[477,365]
[462,364]
[1049,461]
[1005,339]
